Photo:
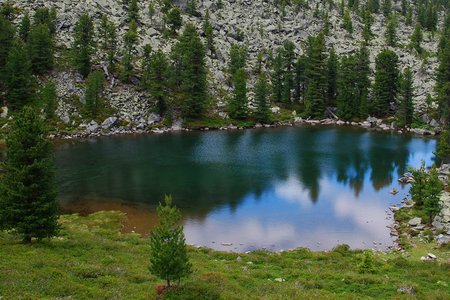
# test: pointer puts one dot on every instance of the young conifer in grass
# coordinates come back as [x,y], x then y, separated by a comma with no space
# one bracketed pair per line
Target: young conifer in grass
[168,252]
[27,193]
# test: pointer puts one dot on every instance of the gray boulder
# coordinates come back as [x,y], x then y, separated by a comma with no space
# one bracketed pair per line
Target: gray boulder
[92,127]
[153,118]
[109,122]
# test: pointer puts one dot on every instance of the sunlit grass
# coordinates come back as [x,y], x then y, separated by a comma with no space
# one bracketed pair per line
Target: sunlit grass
[91,259]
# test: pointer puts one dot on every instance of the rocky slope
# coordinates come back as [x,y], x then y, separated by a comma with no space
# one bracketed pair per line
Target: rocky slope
[264,27]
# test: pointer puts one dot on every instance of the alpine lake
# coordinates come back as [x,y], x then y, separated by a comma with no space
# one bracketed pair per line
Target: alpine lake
[274,189]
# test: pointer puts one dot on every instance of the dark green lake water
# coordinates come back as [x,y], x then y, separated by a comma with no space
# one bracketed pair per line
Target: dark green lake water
[274,188]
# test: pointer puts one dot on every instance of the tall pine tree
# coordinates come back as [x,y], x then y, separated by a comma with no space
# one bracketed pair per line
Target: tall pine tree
[18,78]
[190,72]
[316,74]
[83,45]
[262,113]
[27,193]
[386,83]
[406,108]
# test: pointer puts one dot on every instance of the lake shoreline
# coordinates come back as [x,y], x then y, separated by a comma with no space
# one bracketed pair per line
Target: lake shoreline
[376,125]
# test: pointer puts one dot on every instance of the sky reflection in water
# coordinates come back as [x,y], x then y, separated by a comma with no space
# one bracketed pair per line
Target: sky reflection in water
[280,188]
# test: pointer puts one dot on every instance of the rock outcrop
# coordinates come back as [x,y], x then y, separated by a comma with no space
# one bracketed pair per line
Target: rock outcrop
[263,27]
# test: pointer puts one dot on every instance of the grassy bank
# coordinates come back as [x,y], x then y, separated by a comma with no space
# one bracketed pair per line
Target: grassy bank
[92,260]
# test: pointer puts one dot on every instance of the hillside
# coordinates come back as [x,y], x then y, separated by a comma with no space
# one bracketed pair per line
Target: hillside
[262,26]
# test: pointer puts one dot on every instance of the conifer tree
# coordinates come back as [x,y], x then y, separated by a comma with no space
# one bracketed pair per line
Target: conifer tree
[93,92]
[7,32]
[391,31]
[151,11]
[24,27]
[158,78]
[130,39]
[277,77]
[208,32]
[18,78]
[347,101]
[191,7]
[40,45]
[363,80]
[133,11]
[408,17]
[27,194]
[406,109]
[332,65]
[237,59]
[300,78]
[262,113]
[386,83]
[347,22]
[443,79]
[367,29]
[109,39]
[174,19]
[48,99]
[374,6]
[168,253]
[238,105]
[387,7]
[443,145]
[416,38]
[46,17]
[316,74]
[190,72]
[83,45]
[287,72]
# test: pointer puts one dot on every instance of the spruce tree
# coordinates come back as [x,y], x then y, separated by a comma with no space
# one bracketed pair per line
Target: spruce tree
[443,146]
[443,80]
[27,194]
[24,27]
[174,19]
[133,11]
[332,66]
[363,80]
[18,77]
[300,78]
[386,83]
[168,252]
[237,59]
[262,113]
[277,77]
[83,45]
[347,101]
[130,39]
[347,21]
[49,99]
[406,109]
[46,17]
[387,7]
[416,38]
[7,32]
[316,74]
[93,92]
[238,105]
[40,45]
[190,72]
[108,36]
[288,71]
[158,78]
[208,32]
[391,31]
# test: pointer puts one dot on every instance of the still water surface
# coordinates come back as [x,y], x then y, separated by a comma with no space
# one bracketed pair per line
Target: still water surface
[273,188]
